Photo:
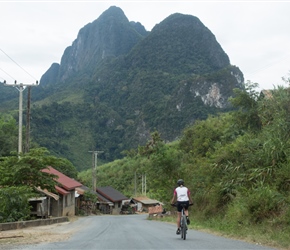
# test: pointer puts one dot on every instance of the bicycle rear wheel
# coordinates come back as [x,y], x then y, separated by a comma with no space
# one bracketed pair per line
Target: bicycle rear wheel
[183,228]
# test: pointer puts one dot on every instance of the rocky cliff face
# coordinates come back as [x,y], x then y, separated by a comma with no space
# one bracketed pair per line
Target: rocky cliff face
[117,83]
[111,35]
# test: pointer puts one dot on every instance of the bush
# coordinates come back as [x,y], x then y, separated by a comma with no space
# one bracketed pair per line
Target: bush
[238,213]
[264,203]
[14,204]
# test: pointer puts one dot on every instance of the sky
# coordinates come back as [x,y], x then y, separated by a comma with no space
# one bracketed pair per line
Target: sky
[254,34]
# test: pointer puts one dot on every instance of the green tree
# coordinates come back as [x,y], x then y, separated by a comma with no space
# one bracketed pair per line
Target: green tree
[206,136]
[246,100]
[26,170]
[19,175]
[164,170]
[63,165]
[152,145]
[8,135]
[14,204]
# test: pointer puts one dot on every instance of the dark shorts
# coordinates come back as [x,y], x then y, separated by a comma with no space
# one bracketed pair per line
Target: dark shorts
[182,203]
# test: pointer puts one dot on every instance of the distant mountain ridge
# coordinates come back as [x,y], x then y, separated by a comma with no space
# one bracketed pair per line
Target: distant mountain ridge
[117,83]
[185,37]
[111,35]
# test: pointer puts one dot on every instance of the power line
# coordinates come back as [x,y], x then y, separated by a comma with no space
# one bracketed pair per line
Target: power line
[283,58]
[7,73]
[2,78]
[17,64]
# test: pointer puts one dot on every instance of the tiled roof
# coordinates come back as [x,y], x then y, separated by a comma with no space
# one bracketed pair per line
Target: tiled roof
[61,190]
[111,194]
[64,181]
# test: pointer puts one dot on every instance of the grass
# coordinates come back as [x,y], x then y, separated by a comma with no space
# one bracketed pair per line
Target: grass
[265,234]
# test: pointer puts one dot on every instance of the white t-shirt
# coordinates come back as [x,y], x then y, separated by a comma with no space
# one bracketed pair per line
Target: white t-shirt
[182,193]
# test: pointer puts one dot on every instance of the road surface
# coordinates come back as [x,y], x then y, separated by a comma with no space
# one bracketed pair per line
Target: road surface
[134,232]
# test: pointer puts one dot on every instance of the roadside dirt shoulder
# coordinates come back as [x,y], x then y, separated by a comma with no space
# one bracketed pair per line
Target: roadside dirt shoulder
[33,235]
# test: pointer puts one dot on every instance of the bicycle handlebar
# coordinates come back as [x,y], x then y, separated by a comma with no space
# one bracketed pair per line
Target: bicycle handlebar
[175,204]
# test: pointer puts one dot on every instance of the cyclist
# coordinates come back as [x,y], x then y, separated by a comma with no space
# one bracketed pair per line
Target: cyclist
[181,195]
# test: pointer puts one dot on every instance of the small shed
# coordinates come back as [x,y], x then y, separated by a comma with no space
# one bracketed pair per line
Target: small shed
[143,203]
[40,205]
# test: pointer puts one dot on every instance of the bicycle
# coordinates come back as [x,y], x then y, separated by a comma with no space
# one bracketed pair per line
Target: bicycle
[183,224]
[183,221]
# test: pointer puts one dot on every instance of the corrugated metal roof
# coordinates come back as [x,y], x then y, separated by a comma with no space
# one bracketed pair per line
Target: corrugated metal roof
[150,202]
[267,93]
[62,179]
[146,201]
[80,191]
[111,194]
[102,198]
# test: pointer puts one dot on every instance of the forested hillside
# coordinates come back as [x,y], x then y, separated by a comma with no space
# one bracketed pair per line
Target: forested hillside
[117,83]
[236,164]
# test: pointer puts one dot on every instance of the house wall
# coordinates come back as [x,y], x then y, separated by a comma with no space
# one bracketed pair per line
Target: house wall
[39,207]
[139,206]
[68,204]
[104,208]
[117,207]
[65,206]
[56,207]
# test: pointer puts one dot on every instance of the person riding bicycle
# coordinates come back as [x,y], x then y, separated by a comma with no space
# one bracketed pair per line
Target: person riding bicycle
[181,195]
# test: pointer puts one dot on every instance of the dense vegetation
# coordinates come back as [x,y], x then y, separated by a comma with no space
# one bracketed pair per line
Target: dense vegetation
[236,165]
[121,115]
[20,174]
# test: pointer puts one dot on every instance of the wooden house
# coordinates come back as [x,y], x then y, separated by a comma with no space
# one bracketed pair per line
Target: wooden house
[65,205]
[110,200]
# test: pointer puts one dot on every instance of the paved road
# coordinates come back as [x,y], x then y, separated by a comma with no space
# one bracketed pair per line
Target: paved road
[136,232]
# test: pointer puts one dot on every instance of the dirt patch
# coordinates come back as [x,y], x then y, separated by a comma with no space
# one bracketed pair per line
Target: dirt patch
[34,235]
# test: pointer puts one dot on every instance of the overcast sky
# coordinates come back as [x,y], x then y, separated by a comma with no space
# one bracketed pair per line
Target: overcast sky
[254,34]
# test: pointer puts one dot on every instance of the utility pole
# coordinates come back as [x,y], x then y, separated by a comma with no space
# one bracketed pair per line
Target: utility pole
[94,170]
[27,146]
[144,186]
[20,87]
[135,184]
[143,183]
